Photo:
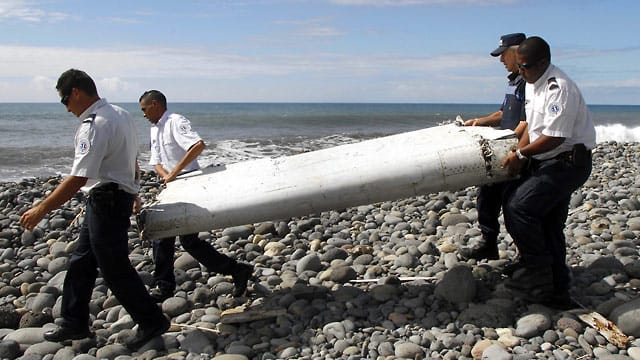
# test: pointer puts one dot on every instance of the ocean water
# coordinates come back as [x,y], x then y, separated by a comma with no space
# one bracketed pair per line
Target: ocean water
[37,139]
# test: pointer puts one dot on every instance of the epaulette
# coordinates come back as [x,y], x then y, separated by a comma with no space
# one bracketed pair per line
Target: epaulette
[90,118]
[553,83]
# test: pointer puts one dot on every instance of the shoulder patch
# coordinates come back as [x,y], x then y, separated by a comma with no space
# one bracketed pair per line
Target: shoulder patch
[184,128]
[83,146]
[90,118]
[555,108]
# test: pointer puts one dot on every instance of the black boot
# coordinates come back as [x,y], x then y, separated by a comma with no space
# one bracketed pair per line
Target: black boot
[65,334]
[159,294]
[488,250]
[532,282]
[241,275]
[145,334]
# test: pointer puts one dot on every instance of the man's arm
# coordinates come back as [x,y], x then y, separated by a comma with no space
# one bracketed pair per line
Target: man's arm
[194,151]
[65,191]
[138,173]
[492,119]
[137,202]
[160,170]
[521,130]
[541,145]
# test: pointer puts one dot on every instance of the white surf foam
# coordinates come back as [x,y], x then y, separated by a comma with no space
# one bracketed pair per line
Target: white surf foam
[617,132]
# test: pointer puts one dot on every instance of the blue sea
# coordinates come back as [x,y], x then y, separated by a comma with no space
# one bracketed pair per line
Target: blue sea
[37,139]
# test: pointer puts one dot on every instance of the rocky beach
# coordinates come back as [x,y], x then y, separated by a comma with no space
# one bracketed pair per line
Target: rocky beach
[378,281]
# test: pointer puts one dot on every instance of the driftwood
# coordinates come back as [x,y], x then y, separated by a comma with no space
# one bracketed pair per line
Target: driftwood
[241,314]
[607,328]
[401,278]
[175,327]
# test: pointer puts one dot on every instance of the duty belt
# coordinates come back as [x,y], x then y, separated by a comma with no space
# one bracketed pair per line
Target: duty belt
[579,153]
[108,187]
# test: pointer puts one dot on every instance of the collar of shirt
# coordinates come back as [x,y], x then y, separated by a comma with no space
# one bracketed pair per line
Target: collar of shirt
[92,109]
[542,81]
[163,118]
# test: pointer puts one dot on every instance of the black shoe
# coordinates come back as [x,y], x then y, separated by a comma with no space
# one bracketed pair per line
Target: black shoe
[241,275]
[66,334]
[534,283]
[561,301]
[160,295]
[486,251]
[144,334]
[510,268]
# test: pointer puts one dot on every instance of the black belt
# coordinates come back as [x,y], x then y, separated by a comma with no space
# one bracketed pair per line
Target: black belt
[566,156]
[108,187]
[579,153]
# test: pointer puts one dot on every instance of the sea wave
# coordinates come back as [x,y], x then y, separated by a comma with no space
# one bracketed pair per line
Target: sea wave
[232,151]
[617,132]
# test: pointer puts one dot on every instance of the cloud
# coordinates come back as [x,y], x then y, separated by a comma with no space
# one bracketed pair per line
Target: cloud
[624,83]
[23,11]
[198,74]
[43,83]
[122,72]
[421,2]
[314,28]
[152,62]
[113,84]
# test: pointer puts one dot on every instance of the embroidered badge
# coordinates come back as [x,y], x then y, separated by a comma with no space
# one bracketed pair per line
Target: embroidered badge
[83,146]
[555,108]
[184,128]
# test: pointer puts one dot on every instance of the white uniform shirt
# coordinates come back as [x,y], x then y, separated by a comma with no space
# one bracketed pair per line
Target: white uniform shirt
[171,138]
[555,107]
[106,147]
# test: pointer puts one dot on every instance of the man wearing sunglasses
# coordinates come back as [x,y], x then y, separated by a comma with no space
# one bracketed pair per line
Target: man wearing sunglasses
[175,147]
[554,159]
[509,116]
[106,146]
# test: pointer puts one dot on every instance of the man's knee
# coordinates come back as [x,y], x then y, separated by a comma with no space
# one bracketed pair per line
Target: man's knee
[189,241]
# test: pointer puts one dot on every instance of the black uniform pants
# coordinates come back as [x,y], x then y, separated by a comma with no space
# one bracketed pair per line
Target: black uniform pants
[103,245]
[207,255]
[536,208]
[489,204]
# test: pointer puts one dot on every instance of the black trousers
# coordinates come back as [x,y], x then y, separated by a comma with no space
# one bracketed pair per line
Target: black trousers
[536,209]
[207,255]
[103,245]
[489,204]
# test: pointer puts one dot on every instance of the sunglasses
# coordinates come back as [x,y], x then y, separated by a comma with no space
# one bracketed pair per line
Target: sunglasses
[526,66]
[65,100]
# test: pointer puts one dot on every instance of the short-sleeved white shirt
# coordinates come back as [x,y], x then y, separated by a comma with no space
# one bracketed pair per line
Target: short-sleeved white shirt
[171,138]
[106,147]
[555,107]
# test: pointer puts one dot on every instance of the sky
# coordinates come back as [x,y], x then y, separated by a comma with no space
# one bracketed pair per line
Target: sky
[370,51]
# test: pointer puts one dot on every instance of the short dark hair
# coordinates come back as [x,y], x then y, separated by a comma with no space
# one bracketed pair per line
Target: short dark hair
[156,95]
[78,79]
[535,49]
